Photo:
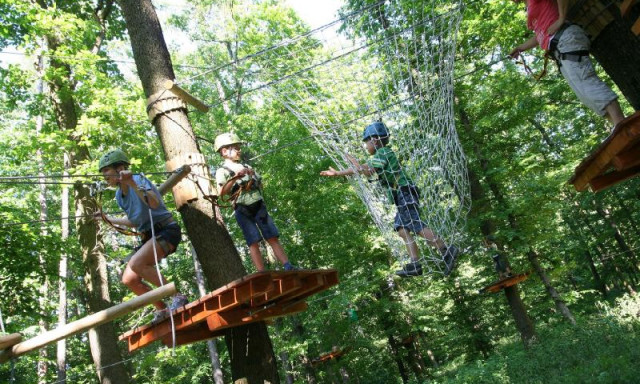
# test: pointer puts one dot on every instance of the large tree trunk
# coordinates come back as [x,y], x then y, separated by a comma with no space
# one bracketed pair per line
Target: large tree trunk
[617,49]
[217,375]
[61,355]
[42,200]
[555,296]
[103,339]
[252,357]
[480,205]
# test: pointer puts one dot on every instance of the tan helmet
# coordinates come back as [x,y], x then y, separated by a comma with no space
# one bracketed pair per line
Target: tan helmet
[225,139]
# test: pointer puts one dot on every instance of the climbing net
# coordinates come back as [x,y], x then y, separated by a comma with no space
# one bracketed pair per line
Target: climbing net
[389,62]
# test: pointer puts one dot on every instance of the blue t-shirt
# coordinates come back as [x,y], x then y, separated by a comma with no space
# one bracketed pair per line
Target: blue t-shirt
[137,211]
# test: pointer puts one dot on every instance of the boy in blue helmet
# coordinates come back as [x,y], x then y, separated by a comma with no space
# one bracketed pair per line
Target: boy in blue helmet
[403,192]
[143,205]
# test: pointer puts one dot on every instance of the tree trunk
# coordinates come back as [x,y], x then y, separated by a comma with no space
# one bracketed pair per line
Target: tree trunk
[286,365]
[218,377]
[250,349]
[630,257]
[61,355]
[480,204]
[555,296]
[617,49]
[42,200]
[393,345]
[598,282]
[103,339]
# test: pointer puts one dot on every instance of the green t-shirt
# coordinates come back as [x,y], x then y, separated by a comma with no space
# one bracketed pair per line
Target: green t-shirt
[224,173]
[389,171]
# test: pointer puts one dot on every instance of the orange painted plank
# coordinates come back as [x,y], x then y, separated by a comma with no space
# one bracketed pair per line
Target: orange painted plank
[626,6]
[257,297]
[504,283]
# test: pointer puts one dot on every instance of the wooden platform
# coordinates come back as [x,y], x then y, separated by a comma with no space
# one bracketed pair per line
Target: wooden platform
[335,354]
[504,283]
[257,297]
[615,160]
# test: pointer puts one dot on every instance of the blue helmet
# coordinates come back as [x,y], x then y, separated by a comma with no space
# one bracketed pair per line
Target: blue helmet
[377,128]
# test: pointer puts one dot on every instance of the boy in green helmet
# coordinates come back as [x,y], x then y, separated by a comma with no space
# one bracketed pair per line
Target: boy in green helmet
[243,184]
[404,194]
[143,205]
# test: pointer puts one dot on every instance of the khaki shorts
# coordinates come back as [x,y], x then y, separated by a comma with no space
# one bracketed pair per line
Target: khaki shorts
[581,76]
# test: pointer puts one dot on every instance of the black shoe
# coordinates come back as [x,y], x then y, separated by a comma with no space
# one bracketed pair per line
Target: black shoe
[412,269]
[449,256]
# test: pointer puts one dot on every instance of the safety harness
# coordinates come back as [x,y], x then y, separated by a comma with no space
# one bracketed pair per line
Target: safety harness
[576,56]
[238,187]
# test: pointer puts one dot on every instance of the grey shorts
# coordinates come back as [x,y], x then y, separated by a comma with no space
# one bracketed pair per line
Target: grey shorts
[581,76]
[408,215]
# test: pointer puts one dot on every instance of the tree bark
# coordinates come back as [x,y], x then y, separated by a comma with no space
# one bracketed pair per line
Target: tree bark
[555,296]
[617,49]
[103,339]
[61,355]
[217,375]
[480,204]
[249,346]
[42,200]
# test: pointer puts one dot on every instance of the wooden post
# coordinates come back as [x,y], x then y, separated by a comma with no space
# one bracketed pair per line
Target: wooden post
[88,322]
[174,179]
[170,85]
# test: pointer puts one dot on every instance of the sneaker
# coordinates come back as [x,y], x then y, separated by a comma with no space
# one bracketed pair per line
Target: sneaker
[290,267]
[160,315]
[449,256]
[414,268]
[178,302]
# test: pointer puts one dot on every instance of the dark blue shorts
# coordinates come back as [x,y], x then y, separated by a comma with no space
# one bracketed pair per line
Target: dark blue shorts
[165,235]
[255,222]
[408,215]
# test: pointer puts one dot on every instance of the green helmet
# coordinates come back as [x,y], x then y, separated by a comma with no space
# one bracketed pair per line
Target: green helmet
[112,157]
[225,139]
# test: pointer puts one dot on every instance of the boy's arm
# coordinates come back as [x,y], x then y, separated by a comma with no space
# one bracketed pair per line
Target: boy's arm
[563,8]
[530,43]
[122,221]
[357,168]
[228,185]
[148,196]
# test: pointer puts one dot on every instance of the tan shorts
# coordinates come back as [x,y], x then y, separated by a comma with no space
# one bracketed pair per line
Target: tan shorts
[581,76]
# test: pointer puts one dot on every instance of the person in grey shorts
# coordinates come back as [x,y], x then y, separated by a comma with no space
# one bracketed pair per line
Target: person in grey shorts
[569,46]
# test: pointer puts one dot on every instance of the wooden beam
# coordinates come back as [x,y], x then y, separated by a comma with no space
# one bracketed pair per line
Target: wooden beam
[635,28]
[181,173]
[88,322]
[170,85]
[627,159]
[9,340]
[612,178]
[625,7]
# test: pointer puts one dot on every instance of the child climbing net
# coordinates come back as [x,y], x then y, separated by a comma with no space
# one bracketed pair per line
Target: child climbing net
[395,67]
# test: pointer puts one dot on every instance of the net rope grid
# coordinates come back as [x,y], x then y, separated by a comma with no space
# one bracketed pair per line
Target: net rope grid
[403,76]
